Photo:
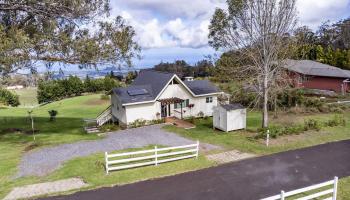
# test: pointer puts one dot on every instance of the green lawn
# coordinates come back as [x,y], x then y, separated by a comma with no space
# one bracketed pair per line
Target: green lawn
[67,128]
[27,96]
[243,140]
[344,189]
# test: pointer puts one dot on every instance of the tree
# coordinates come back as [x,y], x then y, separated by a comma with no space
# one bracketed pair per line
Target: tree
[60,31]
[53,114]
[259,31]
[130,76]
[8,98]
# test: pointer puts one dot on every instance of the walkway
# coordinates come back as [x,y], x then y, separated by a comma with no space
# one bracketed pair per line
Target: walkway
[44,161]
[41,189]
[250,179]
[179,123]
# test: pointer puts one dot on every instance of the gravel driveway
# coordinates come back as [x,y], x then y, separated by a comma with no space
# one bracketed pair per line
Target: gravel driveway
[46,160]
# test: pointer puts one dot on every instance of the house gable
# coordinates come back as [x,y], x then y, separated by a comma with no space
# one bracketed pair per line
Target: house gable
[155,83]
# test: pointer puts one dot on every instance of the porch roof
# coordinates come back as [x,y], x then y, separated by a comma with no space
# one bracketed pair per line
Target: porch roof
[170,100]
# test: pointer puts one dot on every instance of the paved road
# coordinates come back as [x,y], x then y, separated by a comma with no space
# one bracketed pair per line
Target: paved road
[44,161]
[249,179]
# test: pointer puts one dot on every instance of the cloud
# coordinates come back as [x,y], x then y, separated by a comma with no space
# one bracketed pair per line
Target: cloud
[314,12]
[170,9]
[184,23]
[168,23]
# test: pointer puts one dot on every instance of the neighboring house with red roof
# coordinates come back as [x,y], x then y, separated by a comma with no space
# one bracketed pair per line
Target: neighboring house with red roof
[155,95]
[314,75]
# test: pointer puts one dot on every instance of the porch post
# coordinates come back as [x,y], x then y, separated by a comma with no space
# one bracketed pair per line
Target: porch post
[181,110]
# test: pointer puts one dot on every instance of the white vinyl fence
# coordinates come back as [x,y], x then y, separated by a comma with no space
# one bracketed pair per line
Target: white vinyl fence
[150,157]
[331,193]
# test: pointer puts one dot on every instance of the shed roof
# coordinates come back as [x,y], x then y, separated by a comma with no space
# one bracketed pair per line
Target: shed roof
[230,107]
[313,68]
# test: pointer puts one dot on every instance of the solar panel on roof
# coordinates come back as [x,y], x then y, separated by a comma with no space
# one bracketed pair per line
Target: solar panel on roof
[135,92]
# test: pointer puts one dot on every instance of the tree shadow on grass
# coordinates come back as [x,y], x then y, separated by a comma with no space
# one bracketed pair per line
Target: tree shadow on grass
[62,130]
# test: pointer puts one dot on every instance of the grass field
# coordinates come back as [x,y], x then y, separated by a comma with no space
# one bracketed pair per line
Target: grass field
[243,140]
[68,128]
[27,96]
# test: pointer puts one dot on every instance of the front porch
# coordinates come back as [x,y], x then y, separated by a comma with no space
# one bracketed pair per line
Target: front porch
[169,107]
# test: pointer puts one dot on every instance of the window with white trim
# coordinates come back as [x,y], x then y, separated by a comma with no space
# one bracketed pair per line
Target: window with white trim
[185,104]
[209,100]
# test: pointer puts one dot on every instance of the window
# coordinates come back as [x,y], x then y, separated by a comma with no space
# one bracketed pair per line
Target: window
[302,79]
[185,103]
[209,99]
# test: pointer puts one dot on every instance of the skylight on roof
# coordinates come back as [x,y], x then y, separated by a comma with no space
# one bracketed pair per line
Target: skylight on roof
[135,92]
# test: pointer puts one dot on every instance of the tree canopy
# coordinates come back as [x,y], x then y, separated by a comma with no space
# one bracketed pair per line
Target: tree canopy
[63,31]
[330,44]
[257,32]
[202,68]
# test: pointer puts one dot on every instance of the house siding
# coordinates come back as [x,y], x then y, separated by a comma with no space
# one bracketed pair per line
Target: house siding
[321,83]
[118,110]
[151,111]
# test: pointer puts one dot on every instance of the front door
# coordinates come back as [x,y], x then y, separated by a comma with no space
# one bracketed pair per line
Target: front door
[165,109]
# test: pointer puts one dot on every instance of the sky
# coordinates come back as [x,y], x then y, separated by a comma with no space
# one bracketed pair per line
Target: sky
[168,30]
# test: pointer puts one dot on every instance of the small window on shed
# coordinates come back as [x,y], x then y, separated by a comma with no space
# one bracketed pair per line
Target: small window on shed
[209,99]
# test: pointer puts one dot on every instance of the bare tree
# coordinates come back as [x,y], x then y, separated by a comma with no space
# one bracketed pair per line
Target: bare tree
[258,30]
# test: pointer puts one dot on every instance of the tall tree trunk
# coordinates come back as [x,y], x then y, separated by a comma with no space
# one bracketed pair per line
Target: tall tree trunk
[265,102]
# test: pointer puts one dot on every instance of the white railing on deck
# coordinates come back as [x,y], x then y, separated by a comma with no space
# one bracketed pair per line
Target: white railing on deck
[330,192]
[104,117]
[150,157]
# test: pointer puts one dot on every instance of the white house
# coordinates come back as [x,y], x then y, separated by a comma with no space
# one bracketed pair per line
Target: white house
[154,95]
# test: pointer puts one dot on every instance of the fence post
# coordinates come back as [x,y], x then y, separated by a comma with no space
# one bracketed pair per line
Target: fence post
[156,155]
[197,153]
[282,195]
[268,138]
[106,160]
[335,188]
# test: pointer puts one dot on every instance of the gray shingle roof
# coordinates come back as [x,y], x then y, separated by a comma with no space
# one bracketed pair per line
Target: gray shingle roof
[124,96]
[309,67]
[154,82]
[157,80]
[200,87]
[235,106]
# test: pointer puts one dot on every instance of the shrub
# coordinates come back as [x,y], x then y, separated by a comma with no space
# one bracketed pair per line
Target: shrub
[138,123]
[312,124]
[200,114]
[158,121]
[53,114]
[105,97]
[8,98]
[338,120]
[313,102]
[109,127]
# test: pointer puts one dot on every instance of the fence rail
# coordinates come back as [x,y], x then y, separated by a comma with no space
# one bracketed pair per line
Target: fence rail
[283,195]
[155,156]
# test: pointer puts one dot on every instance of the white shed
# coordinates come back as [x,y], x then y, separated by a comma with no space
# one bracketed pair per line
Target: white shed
[229,117]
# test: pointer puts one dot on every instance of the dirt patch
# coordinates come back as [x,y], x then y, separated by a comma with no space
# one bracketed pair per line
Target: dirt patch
[94,102]
[31,147]
[11,130]
[18,130]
